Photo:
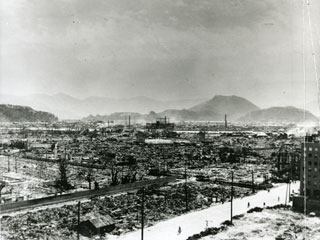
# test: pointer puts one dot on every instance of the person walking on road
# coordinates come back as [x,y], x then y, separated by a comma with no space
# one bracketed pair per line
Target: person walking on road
[179,230]
[248,204]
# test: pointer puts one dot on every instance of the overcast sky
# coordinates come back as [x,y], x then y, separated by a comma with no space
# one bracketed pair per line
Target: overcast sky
[165,49]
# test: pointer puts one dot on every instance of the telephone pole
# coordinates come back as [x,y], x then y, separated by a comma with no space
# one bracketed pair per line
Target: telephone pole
[252,181]
[186,181]
[8,164]
[231,212]
[285,200]
[142,212]
[78,236]
[15,163]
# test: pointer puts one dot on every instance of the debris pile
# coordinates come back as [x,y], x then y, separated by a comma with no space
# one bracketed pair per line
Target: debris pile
[160,203]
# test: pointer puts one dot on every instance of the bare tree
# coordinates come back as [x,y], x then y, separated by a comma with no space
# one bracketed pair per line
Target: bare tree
[62,182]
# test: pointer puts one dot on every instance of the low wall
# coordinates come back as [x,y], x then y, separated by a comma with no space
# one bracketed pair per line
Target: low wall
[78,195]
[312,204]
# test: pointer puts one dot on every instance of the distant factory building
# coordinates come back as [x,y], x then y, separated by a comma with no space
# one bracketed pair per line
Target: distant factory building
[160,124]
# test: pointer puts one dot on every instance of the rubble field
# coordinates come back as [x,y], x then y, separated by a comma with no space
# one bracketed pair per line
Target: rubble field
[271,224]
[160,203]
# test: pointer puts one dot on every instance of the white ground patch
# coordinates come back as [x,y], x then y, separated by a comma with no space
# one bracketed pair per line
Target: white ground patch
[270,224]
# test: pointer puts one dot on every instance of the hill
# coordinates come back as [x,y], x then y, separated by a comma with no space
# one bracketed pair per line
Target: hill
[13,113]
[219,105]
[213,110]
[279,114]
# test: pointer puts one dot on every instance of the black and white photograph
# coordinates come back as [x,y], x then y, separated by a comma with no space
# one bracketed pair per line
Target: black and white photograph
[159,119]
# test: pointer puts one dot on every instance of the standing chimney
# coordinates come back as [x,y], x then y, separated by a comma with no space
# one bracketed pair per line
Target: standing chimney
[225,121]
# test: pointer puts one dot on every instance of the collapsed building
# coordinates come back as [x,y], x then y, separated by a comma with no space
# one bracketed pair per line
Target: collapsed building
[288,162]
[92,225]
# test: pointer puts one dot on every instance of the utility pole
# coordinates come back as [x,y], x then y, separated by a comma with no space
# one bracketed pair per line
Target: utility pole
[252,181]
[142,212]
[231,212]
[109,121]
[158,169]
[78,236]
[8,164]
[291,174]
[289,191]
[285,200]
[15,163]
[186,181]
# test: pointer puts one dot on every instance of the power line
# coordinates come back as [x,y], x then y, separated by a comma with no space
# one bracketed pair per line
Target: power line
[304,112]
[313,51]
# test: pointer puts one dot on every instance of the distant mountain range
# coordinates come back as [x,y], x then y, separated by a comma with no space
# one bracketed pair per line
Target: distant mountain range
[236,108]
[67,107]
[211,110]
[12,113]
[279,114]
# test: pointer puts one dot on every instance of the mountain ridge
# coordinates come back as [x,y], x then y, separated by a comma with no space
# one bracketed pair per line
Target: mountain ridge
[15,113]
[288,114]
[68,107]
[211,110]
[236,108]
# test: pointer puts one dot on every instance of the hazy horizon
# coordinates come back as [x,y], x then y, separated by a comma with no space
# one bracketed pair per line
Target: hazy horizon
[311,108]
[165,50]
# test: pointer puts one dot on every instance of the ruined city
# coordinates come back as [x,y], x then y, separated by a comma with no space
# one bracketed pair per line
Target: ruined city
[160,120]
[65,179]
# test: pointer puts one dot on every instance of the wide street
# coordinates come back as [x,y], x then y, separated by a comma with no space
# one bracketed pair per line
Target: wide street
[197,221]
